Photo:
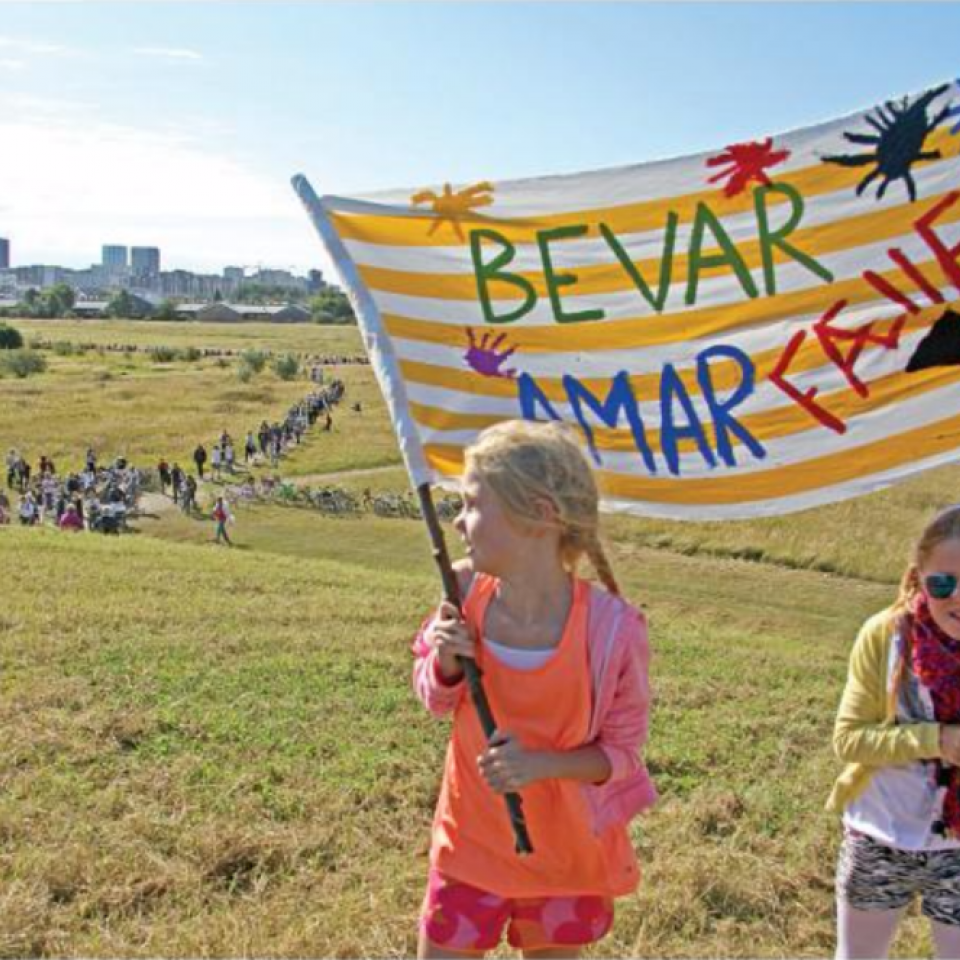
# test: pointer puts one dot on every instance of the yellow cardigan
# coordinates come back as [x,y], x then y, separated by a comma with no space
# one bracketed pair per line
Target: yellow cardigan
[866,736]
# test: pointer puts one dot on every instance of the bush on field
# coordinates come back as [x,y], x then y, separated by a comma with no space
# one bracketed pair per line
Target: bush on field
[64,348]
[255,359]
[10,337]
[191,354]
[22,363]
[163,354]
[245,372]
[286,366]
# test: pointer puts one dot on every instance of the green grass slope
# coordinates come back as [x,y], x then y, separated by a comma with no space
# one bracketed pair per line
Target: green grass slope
[217,753]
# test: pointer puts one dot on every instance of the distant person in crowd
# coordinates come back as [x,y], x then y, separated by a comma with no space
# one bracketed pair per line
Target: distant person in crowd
[12,461]
[29,511]
[189,494]
[216,459]
[263,437]
[71,520]
[48,495]
[163,472]
[176,481]
[249,448]
[91,460]
[898,732]
[92,509]
[228,456]
[25,471]
[200,459]
[221,515]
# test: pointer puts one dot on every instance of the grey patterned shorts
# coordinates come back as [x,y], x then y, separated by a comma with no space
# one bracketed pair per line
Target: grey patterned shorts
[871,876]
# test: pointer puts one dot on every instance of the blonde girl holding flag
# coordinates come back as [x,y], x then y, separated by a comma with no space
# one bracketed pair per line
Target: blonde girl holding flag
[565,669]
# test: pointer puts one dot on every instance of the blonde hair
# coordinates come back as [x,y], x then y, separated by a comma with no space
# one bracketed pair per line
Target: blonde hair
[944,526]
[525,463]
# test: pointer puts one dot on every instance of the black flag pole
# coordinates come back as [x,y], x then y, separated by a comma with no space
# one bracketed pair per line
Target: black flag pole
[451,593]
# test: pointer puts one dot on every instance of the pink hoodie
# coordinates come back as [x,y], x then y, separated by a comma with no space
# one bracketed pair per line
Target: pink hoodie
[619,657]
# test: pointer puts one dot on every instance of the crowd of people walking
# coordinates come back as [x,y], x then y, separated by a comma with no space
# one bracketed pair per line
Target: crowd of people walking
[99,497]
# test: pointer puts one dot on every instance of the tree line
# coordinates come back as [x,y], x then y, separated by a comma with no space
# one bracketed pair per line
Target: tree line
[330,306]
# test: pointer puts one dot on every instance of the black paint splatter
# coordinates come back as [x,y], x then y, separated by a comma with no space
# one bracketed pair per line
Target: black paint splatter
[940,347]
[898,142]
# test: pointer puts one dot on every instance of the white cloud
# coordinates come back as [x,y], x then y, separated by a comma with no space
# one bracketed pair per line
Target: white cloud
[12,64]
[30,46]
[72,183]
[170,53]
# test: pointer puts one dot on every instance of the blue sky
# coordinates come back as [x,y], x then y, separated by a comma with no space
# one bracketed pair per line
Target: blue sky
[179,124]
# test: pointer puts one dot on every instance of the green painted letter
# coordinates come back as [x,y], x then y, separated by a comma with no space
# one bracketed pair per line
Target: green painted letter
[485,272]
[696,261]
[666,263]
[556,280]
[777,238]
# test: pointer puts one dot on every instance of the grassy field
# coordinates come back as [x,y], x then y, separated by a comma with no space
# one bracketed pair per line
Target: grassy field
[128,403]
[306,338]
[217,753]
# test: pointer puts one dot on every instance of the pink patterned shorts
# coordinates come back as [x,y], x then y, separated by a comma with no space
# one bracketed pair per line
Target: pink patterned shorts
[461,917]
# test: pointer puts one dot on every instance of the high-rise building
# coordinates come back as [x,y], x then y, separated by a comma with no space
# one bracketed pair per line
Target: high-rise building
[114,258]
[315,281]
[145,261]
[4,254]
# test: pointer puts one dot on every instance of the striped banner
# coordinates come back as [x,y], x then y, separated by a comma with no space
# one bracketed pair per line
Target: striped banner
[751,331]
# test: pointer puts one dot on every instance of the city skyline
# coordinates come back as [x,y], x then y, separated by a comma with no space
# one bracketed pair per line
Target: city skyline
[152,122]
[226,270]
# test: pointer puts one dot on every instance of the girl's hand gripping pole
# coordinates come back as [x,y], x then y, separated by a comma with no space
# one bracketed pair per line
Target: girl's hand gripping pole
[451,593]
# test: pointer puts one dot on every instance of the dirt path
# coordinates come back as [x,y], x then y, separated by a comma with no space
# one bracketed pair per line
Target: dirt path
[156,503]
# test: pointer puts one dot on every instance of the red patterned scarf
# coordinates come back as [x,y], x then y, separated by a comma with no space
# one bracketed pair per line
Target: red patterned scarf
[935,658]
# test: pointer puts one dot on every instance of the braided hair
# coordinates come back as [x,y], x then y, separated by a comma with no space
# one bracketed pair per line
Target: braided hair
[526,463]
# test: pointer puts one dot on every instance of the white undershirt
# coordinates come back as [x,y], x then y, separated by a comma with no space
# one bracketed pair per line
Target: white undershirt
[520,658]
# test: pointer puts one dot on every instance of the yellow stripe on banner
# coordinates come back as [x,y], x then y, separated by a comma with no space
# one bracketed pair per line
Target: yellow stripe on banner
[414,230]
[725,374]
[766,426]
[657,330]
[815,241]
[810,475]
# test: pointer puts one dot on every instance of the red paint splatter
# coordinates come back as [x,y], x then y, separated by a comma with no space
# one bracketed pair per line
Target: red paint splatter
[746,162]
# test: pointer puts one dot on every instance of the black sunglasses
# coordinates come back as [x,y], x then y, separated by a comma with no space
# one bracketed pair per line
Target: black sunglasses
[940,586]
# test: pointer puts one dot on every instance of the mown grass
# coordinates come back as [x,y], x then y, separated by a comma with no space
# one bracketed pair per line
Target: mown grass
[209,754]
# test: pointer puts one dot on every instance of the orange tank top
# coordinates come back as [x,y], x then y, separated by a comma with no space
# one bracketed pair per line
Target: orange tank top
[547,708]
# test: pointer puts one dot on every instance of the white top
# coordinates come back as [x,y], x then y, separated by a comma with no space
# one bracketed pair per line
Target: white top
[901,803]
[520,658]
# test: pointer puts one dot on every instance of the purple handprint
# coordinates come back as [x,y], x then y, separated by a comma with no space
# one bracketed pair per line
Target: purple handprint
[484,356]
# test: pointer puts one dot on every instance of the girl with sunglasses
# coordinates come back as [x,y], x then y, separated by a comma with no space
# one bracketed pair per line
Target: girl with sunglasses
[898,731]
